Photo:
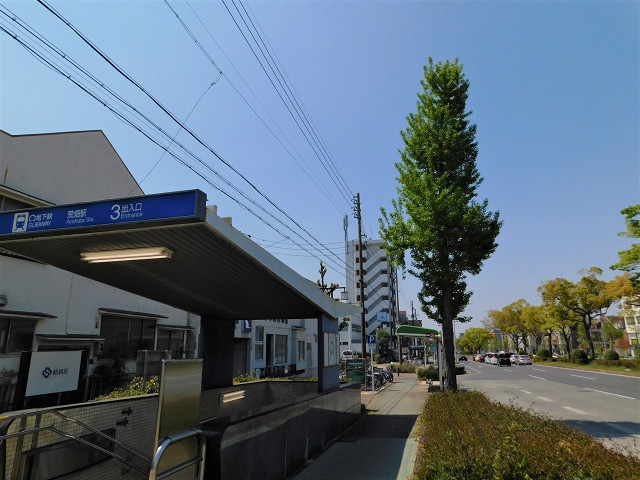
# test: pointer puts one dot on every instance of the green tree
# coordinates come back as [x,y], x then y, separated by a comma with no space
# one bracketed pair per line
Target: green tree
[436,218]
[630,259]
[474,339]
[589,298]
[382,339]
[611,333]
[536,323]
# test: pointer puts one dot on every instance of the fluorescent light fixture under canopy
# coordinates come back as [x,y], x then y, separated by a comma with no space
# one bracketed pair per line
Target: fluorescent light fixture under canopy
[126,254]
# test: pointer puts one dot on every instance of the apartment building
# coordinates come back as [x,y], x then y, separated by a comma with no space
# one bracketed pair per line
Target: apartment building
[380,282]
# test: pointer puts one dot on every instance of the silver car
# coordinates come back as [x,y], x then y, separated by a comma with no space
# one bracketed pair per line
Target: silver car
[521,360]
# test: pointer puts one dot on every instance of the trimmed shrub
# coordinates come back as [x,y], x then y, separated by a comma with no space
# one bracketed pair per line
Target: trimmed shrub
[579,356]
[467,436]
[543,352]
[406,367]
[611,355]
[134,389]
[429,373]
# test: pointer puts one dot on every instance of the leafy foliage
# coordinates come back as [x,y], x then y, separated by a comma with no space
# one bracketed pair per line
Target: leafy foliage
[579,356]
[466,436]
[474,339]
[587,299]
[135,388]
[436,217]
[630,259]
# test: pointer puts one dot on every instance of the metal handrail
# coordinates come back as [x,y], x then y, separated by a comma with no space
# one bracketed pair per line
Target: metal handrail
[53,428]
[177,437]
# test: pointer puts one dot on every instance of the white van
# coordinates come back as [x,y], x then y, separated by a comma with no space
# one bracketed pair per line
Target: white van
[349,355]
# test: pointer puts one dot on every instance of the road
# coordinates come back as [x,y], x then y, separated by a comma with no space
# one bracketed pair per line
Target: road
[606,406]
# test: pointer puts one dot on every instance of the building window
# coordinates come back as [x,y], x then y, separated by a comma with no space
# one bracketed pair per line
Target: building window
[16,335]
[259,352]
[171,339]
[301,351]
[384,272]
[259,334]
[124,336]
[281,349]
[366,297]
[384,284]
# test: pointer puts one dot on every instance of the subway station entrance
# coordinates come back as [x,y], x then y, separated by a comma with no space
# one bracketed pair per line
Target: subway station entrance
[173,249]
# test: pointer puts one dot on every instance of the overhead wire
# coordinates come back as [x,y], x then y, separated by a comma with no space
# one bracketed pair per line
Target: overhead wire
[296,98]
[307,171]
[176,120]
[297,119]
[56,68]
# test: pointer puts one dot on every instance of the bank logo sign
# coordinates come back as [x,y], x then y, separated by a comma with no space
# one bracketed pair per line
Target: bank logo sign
[52,372]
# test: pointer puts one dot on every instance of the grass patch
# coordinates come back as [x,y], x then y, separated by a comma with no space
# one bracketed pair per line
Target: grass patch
[467,436]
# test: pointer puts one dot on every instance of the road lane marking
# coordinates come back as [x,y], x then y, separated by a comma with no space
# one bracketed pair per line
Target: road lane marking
[580,376]
[609,393]
[539,378]
[526,391]
[546,399]
[539,369]
[575,410]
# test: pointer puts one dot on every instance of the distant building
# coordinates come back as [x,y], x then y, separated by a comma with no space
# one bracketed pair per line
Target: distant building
[276,348]
[380,292]
[631,313]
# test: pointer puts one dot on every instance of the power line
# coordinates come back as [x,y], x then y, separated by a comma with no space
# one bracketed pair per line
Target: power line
[42,57]
[175,119]
[308,171]
[295,97]
[273,83]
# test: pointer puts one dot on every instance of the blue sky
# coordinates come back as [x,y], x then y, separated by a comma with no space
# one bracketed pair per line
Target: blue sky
[554,90]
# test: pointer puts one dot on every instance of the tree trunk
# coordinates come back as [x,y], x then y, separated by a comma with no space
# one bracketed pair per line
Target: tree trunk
[450,381]
[587,333]
[567,341]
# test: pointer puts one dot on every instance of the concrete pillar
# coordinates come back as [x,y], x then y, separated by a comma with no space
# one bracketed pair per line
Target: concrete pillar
[216,347]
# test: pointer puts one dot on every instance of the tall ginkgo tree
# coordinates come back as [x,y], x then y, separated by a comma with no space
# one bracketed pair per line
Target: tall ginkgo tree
[436,217]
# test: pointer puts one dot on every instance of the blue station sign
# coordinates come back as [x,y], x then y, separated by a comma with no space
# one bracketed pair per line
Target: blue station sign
[184,205]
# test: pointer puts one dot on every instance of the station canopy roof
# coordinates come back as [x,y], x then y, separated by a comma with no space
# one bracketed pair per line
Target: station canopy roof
[210,267]
[412,331]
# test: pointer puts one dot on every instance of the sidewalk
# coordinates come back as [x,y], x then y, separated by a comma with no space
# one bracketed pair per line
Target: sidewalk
[382,444]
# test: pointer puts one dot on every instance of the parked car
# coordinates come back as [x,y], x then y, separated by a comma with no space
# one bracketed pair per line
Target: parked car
[489,357]
[478,357]
[462,358]
[503,359]
[350,355]
[521,360]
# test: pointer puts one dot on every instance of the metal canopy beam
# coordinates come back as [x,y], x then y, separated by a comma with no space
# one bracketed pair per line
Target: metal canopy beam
[215,270]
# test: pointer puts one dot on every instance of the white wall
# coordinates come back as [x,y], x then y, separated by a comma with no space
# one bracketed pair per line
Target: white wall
[65,167]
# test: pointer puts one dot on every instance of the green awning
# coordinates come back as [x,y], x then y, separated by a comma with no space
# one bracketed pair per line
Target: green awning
[411,331]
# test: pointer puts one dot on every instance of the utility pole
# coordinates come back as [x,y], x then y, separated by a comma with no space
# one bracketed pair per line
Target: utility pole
[363,325]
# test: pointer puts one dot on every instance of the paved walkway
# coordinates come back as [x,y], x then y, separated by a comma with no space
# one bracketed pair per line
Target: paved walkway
[382,444]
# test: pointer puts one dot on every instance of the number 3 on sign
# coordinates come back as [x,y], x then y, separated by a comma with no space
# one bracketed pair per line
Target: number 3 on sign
[116,212]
